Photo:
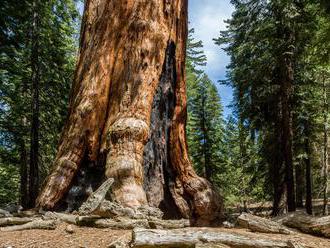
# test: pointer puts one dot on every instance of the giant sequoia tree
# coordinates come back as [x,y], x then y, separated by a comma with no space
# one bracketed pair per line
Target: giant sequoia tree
[128,111]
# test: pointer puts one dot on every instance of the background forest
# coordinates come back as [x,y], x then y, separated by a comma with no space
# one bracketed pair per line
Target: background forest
[272,148]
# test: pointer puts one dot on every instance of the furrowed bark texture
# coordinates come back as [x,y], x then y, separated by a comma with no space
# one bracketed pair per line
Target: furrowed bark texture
[128,110]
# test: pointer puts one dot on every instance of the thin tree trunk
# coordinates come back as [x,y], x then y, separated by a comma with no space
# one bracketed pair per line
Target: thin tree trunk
[308,203]
[242,160]
[34,150]
[24,193]
[325,149]
[207,168]
[279,190]
[24,166]
[300,185]
[278,171]
[277,187]
[286,93]
[128,110]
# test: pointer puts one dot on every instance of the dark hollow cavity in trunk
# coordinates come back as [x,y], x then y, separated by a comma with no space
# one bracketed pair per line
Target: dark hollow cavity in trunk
[158,172]
[87,179]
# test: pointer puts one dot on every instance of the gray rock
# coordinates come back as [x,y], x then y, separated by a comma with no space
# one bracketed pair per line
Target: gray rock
[227,224]
[70,229]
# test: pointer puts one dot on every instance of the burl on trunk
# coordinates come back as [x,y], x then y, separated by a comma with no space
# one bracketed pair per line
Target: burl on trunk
[128,110]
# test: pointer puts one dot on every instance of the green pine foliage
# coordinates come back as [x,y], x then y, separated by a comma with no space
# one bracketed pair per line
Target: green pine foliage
[205,122]
[267,42]
[57,47]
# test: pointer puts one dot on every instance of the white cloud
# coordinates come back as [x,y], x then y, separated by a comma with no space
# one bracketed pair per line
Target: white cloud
[207,18]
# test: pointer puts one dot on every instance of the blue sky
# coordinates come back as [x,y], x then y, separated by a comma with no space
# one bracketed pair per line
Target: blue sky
[207,18]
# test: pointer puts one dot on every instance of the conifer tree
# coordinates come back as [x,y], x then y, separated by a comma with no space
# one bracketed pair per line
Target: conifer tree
[205,123]
[37,60]
[268,42]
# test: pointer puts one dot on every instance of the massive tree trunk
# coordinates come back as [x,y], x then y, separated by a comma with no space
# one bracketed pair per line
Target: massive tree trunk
[128,110]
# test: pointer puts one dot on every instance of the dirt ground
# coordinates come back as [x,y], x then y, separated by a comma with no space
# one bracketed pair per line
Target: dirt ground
[84,237]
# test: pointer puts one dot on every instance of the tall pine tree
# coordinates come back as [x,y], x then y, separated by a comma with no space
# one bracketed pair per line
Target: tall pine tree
[38,50]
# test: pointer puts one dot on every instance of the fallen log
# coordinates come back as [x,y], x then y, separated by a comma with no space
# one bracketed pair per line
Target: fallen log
[5,213]
[87,220]
[28,213]
[95,199]
[68,218]
[319,226]
[190,237]
[150,212]
[36,224]
[168,224]
[121,224]
[9,221]
[118,222]
[210,245]
[127,223]
[258,224]
[110,209]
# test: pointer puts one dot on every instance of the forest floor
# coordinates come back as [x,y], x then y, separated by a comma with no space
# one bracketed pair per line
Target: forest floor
[85,237]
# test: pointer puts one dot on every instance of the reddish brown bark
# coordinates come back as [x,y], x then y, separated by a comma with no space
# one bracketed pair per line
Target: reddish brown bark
[129,105]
